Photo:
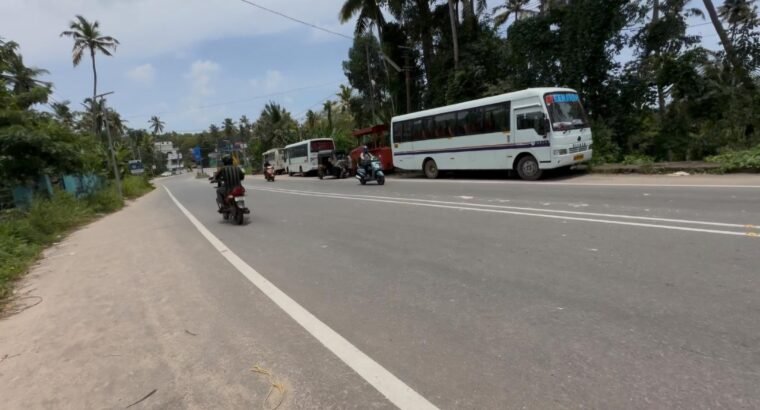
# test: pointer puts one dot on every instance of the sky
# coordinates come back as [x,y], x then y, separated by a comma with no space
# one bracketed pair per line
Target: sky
[196,62]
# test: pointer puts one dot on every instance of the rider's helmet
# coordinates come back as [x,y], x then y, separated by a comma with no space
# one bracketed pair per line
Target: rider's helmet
[227,160]
[365,149]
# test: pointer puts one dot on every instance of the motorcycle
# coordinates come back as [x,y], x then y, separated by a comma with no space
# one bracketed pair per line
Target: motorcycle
[269,173]
[375,172]
[233,207]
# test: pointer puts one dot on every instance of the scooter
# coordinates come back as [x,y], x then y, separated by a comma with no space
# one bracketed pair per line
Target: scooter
[234,207]
[375,173]
[269,173]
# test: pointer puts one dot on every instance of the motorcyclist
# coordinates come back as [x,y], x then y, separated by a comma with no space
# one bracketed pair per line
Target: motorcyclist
[230,176]
[365,160]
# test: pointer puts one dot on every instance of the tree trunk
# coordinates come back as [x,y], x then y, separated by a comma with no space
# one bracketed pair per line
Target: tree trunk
[455,37]
[94,93]
[423,9]
[660,94]
[727,45]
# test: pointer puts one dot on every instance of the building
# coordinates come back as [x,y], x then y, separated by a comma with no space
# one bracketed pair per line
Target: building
[173,156]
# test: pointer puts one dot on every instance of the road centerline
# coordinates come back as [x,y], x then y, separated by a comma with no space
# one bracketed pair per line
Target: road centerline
[538,213]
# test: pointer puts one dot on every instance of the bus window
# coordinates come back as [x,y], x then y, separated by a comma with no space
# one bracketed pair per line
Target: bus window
[444,125]
[417,130]
[529,120]
[496,118]
[469,122]
[317,146]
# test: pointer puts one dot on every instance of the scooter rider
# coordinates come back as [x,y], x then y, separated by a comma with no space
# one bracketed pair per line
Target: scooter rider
[365,159]
[231,177]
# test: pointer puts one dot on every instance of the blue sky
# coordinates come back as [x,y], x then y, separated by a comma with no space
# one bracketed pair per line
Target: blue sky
[195,62]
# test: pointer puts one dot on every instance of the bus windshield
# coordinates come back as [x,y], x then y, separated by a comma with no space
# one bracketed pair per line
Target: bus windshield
[565,111]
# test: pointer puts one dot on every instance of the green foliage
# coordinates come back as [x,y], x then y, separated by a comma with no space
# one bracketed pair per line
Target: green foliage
[134,186]
[744,160]
[637,159]
[105,200]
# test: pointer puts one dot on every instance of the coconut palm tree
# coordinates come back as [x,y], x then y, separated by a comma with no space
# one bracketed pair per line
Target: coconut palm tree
[87,37]
[63,113]
[344,96]
[21,77]
[156,125]
[508,9]
[369,13]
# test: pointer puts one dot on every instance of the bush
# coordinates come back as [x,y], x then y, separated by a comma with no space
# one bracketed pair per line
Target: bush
[745,160]
[106,200]
[136,186]
[637,159]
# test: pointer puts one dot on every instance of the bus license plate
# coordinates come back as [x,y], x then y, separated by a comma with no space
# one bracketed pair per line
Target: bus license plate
[578,157]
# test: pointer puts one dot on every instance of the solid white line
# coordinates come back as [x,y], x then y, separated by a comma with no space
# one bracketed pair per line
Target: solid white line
[584,184]
[375,374]
[499,211]
[518,208]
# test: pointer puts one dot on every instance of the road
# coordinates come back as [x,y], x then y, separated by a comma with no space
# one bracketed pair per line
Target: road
[594,292]
[510,295]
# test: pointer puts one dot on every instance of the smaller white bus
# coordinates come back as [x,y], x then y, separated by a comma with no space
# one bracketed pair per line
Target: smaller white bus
[276,157]
[525,131]
[302,156]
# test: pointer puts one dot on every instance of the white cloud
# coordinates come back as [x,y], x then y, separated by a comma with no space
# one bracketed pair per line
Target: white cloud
[272,81]
[148,28]
[142,74]
[202,75]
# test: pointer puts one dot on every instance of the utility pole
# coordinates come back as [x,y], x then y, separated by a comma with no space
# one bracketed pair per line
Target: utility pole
[104,112]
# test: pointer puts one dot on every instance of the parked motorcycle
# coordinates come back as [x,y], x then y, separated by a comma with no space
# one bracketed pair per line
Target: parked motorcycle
[269,173]
[375,172]
[234,207]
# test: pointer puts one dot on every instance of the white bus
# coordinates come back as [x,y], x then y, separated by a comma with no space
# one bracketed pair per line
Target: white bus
[276,157]
[526,131]
[302,156]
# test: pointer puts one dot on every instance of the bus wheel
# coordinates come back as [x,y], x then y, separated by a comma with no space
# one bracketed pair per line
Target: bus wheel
[430,168]
[527,168]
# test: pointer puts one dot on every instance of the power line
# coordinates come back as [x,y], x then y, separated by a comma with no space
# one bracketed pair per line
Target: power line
[306,23]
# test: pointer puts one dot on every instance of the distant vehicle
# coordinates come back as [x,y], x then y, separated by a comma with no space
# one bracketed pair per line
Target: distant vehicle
[136,167]
[276,157]
[376,139]
[269,173]
[370,170]
[166,174]
[333,163]
[526,131]
[302,156]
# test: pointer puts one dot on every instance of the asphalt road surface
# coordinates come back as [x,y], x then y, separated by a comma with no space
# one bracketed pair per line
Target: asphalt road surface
[502,294]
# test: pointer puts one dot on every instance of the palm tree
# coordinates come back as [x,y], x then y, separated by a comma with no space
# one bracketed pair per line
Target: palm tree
[727,45]
[22,78]
[156,125]
[244,127]
[328,107]
[63,113]
[369,12]
[509,8]
[345,95]
[87,36]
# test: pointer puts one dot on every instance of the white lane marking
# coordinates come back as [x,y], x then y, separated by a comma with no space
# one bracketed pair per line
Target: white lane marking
[500,211]
[542,210]
[375,374]
[588,184]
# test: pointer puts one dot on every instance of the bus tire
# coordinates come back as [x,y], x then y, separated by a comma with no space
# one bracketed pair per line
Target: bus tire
[430,168]
[527,168]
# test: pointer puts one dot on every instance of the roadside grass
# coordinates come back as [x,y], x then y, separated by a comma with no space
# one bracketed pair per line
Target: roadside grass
[24,234]
[733,161]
